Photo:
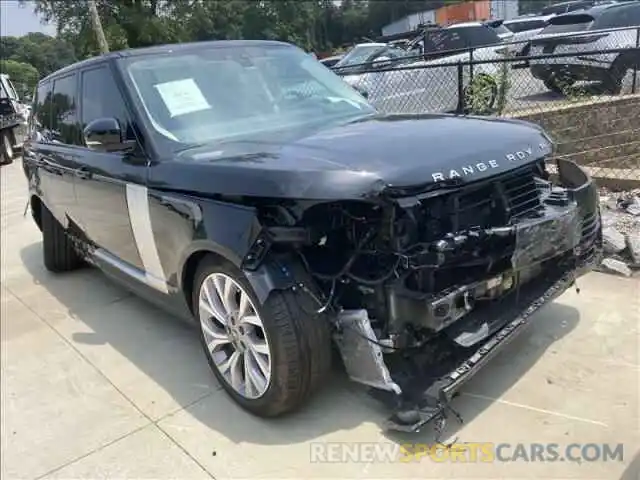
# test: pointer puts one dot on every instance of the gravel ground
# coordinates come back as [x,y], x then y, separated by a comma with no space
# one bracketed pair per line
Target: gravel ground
[621,231]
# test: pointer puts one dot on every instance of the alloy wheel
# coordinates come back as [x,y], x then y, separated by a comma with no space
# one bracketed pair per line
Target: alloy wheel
[234,335]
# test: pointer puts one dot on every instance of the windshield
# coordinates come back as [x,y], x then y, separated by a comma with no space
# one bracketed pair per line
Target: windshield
[6,88]
[358,54]
[220,93]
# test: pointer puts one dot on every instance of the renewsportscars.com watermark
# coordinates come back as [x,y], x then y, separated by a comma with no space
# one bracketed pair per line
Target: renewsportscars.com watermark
[473,452]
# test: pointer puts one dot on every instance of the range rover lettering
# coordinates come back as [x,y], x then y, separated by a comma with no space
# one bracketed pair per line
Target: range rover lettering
[246,188]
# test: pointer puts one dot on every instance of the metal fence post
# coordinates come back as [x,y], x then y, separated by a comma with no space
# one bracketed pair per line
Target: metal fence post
[635,65]
[460,107]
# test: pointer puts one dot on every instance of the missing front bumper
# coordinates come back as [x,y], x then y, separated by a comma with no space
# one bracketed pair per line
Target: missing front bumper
[420,384]
[433,402]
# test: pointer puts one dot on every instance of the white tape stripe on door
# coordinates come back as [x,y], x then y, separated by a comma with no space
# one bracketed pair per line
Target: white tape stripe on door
[138,205]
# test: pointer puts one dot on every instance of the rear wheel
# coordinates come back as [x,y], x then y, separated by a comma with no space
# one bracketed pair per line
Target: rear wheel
[268,357]
[6,148]
[558,83]
[59,253]
[615,76]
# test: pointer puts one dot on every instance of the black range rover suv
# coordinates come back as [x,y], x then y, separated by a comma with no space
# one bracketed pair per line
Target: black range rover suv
[245,187]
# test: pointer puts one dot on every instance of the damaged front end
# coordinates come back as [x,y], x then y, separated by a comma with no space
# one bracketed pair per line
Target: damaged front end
[425,286]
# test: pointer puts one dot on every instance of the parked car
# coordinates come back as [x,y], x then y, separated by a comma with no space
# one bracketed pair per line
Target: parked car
[524,30]
[504,32]
[566,7]
[246,188]
[13,117]
[331,61]
[430,83]
[589,32]
[358,54]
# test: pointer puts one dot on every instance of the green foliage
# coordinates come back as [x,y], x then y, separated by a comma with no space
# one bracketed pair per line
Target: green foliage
[24,76]
[319,25]
[46,54]
[28,58]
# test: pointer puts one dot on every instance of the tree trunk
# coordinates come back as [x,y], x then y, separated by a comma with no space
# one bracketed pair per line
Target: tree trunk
[97,26]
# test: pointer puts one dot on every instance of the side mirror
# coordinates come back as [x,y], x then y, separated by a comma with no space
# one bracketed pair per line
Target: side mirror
[105,135]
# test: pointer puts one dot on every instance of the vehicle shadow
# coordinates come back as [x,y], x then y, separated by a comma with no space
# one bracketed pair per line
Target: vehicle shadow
[167,351]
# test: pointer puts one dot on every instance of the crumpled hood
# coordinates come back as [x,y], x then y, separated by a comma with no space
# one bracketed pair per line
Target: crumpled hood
[357,160]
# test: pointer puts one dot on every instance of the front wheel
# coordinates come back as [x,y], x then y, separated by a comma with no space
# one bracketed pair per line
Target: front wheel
[58,250]
[268,357]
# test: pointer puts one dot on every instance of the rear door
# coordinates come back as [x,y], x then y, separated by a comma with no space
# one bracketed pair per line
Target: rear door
[107,179]
[54,145]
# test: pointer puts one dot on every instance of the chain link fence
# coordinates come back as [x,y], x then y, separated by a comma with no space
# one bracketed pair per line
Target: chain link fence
[588,100]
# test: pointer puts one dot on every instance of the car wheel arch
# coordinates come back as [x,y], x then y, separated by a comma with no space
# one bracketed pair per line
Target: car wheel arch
[189,266]
[627,59]
[272,274]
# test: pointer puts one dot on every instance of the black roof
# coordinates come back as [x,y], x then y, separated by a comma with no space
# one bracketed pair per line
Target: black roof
[161,49]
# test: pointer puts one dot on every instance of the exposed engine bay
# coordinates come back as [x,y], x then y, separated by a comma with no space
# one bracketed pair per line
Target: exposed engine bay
[417,279]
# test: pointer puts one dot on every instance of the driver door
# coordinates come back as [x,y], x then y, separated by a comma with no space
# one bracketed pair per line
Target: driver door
[107,182]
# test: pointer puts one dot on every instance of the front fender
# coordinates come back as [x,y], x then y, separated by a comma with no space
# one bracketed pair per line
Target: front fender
[186,225]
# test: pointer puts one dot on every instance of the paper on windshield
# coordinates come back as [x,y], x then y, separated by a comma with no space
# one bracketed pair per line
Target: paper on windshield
[182,97]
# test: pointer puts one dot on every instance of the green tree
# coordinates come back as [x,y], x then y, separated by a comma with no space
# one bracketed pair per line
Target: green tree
[24,76]
[47,54]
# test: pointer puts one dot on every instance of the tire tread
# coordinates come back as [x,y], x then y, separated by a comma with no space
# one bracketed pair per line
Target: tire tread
[59,253]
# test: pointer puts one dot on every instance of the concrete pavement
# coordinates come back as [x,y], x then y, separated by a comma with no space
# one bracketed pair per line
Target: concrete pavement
[99,384]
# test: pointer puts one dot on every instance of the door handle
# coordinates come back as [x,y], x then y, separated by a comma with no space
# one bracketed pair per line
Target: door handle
[82,173]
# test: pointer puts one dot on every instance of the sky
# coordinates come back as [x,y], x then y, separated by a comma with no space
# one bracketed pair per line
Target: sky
[17,20]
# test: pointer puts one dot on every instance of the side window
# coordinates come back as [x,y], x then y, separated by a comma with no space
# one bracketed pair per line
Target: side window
[481,36]
[633,14]
[101,98]
[64,118]
[40,121]
[612,19]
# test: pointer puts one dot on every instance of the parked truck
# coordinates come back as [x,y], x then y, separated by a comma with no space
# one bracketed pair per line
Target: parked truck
[13,119]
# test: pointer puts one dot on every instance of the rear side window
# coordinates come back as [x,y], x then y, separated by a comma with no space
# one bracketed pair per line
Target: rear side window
[40,120]
[64,115]
[101,98]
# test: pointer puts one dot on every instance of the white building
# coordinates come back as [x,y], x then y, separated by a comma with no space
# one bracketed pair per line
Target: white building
[504,9]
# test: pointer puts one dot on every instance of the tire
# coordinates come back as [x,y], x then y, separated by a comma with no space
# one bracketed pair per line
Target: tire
[298,343]
[557,85]
[6,148]
[58,251]
[613,81]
